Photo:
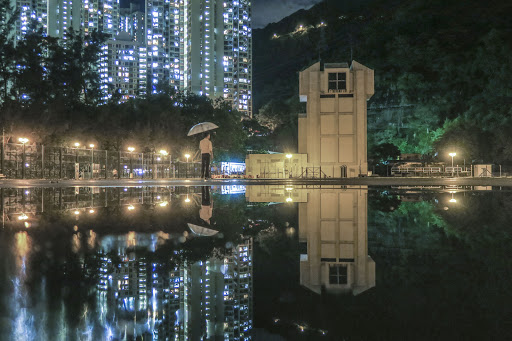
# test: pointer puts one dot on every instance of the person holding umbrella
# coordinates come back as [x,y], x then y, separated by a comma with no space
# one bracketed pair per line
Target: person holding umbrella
[206,148]
[205,145]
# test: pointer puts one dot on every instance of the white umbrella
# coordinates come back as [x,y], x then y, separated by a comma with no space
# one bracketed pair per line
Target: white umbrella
[201,128]
[202,231]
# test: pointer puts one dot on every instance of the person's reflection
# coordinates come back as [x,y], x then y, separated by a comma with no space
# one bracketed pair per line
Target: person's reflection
[206,211]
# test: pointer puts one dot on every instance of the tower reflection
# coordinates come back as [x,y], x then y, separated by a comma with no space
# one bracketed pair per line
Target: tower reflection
[333,235]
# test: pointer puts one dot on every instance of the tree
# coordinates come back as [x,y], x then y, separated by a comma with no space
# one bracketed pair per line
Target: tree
[31,85]
[272,114]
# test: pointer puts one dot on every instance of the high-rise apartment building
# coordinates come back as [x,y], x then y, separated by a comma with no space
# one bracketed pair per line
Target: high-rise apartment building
[195,46]
[202,47]
[131,21]
[101,15]
[237,58]
[123,68]
[217,51]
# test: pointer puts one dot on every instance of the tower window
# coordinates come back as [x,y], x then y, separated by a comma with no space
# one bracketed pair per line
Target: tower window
[338,274]
[337,81]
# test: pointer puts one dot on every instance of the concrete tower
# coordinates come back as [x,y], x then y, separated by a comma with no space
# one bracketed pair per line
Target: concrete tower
[333,131]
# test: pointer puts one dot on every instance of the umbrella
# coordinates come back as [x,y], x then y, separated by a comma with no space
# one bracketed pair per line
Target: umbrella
[202,231]
[201,128]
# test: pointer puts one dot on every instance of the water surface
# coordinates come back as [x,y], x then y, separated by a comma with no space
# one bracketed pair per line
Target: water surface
[256,263]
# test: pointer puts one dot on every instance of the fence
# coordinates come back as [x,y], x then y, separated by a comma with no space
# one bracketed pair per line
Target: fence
[24,161]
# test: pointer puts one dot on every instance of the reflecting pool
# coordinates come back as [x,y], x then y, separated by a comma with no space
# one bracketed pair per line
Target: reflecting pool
[268,262]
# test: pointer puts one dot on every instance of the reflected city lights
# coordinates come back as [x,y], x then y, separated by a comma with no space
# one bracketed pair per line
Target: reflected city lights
[121,275]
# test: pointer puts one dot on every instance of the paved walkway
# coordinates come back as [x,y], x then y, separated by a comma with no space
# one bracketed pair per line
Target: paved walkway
[367,181]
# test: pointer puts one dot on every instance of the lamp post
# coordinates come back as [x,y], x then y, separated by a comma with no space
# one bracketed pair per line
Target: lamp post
[163,153]
[23,141]
[77,165]
[186,168]
[452,155]
[131,149]
[452,200]
[92,159]
[289,157]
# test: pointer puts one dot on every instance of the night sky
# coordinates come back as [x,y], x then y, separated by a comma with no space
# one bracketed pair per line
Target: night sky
[268,11]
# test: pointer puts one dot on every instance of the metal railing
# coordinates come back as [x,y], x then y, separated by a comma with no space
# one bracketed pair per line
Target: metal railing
[24,161]
[312,173]
[425,171]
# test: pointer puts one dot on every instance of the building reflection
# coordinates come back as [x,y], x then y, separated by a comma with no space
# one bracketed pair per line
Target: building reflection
[333,235]
[139,294]
[177,299]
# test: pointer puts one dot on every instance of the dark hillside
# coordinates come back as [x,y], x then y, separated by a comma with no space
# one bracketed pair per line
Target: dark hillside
[442,69]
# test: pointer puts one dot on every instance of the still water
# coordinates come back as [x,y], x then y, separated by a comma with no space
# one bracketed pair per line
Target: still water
[256,263]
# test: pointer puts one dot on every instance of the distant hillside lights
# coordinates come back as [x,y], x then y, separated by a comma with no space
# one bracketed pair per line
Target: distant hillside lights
[304,28]
[300,30]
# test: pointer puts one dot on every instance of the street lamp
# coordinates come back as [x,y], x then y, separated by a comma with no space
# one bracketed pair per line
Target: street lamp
[452,200]
[23,141]
[186,168]
[452,155]
[77,165]
[131,149]
[289,157]
[163,153]
[289,190]
[92,159]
